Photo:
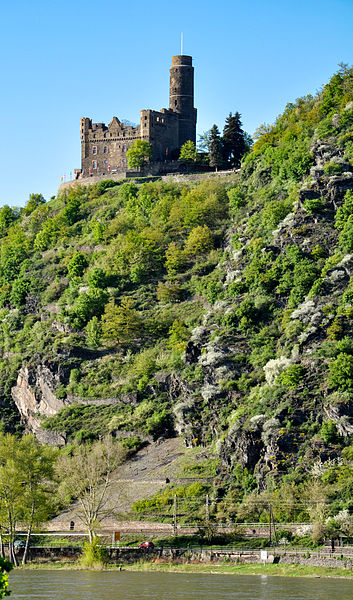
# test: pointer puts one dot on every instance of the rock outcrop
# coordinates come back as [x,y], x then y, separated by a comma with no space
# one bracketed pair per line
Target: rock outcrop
[34,395]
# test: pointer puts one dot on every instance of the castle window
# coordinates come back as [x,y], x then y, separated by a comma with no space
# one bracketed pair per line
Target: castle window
[124,148]
[105,162]
[94,164]
[175,102]
[105,149]
[94,150]
[94,135]
[124,161]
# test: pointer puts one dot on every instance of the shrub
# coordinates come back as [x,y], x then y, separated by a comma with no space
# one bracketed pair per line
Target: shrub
[19,292]
[345,211]
[332,168]
[335,330]
[237,199]
[341,372]
[314,205]
[329,432]
[346,236]
[94,555]
[93,332]
[87,305]
[77,264]
[178,335]
[168,292]
[291,376]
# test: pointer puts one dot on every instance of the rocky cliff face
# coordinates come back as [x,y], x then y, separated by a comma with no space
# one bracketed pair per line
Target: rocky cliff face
[35,398]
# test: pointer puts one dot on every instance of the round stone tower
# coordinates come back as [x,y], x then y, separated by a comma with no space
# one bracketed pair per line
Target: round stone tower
[181,96]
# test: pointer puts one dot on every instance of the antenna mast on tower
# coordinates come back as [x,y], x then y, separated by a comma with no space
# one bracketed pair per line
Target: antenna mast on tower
[181,44]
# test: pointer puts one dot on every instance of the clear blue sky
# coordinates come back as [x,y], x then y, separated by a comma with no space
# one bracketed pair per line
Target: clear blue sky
[63,60]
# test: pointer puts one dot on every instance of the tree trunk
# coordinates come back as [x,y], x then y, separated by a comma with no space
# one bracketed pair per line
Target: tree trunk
[13,556]
[29,531]
[2,550]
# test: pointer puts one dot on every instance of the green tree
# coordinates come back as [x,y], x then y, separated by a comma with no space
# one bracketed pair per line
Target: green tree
[7,216]
[139,153]
[77,264]
[345,211]
[33,202]
[121,323]
[188,152]
[215,148]
[37,473]
[19,291]
[88,304]
[93,332]
[329,432]
[175,259]
[341,372]
[97,278]
[71,213]
[204,140]
[178,335]
[25,485]
[199,241]
[233,140]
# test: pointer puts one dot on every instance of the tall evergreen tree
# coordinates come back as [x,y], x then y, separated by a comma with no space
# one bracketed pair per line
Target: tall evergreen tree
[215,148]
[233,140]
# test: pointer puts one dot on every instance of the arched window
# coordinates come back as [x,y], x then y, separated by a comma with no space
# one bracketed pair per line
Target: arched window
[105,149]
[94,150]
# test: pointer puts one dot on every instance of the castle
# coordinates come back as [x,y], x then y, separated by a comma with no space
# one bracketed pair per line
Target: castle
[103,148]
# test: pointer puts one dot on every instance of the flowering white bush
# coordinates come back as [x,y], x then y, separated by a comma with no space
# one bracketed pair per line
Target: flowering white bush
[274,367]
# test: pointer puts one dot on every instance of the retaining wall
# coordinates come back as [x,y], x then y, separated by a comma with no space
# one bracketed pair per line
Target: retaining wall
[193,555]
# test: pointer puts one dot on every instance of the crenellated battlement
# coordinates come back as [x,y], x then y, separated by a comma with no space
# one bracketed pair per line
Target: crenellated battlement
[104,147]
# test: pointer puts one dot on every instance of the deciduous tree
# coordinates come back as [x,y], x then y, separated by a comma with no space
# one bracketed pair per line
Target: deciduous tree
[121,323]
[188,152]
[139,153]
[86,476]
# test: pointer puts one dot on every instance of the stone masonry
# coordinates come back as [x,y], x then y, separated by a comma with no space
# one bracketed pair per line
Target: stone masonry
[104,147]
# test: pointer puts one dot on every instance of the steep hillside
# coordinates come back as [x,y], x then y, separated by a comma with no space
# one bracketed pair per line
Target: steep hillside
[221,311]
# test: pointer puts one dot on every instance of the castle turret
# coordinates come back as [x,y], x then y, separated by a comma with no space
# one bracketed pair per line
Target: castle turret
[181,96]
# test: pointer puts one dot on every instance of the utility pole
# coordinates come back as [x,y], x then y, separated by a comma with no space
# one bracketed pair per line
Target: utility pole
[272,524]
[175,516]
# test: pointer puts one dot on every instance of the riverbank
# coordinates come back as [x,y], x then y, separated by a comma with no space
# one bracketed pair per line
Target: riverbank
[280,570]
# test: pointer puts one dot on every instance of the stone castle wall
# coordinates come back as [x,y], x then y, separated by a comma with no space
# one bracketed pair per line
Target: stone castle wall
[104,147]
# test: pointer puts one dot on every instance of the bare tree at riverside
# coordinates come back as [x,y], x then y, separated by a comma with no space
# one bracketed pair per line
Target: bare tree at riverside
[86,476]
[26,487]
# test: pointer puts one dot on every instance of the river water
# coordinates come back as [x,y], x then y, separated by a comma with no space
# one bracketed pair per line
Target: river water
[90,585]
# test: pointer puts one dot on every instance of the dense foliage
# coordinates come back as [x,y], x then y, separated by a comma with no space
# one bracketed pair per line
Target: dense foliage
[220,310]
